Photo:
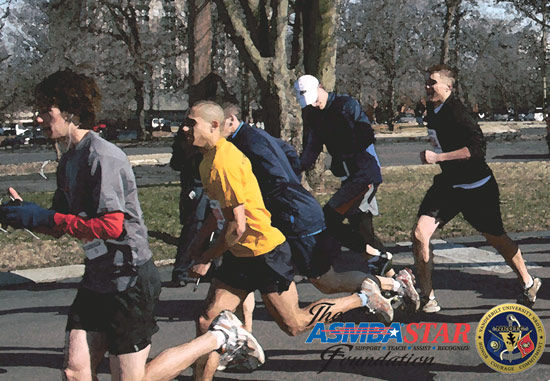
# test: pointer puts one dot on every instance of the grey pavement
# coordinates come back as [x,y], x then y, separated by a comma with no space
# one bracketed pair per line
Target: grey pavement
[469,279]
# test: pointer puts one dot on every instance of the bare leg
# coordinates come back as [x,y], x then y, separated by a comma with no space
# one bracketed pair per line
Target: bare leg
[333,282]
[220,297]
[83,354]
[248,309]
[294,320]
[129,366]
[511,253]
[171,362]
[423,256]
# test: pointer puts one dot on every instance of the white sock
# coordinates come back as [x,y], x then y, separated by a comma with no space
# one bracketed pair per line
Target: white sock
[527,285]
[220,338]
[396,285]
[364,298]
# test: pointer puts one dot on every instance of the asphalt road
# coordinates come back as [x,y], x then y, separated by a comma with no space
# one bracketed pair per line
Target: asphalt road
[468,284]
[390,154]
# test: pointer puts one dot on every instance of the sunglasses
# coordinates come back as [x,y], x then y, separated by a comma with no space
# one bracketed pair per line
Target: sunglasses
[188,122]
[431,82]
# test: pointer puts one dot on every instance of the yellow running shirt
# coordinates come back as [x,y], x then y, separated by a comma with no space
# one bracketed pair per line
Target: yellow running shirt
[226,174]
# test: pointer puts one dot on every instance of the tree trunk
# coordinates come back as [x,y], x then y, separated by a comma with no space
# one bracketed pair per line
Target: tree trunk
[391,105]
[452,9]
[319,22]
[142,134]
[200,50]
[320,18]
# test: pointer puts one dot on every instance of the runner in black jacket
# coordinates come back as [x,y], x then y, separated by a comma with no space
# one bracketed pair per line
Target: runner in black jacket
[466,185]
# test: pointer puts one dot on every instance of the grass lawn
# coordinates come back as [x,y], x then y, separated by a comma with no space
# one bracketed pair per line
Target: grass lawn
[525,198]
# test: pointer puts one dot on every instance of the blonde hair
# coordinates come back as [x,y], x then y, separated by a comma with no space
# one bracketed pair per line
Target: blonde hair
[209,111]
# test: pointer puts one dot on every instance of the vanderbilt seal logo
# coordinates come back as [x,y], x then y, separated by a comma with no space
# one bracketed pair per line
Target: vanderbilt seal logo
[510,338]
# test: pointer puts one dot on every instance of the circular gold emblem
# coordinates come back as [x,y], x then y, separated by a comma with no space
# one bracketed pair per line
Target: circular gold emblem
[510,338]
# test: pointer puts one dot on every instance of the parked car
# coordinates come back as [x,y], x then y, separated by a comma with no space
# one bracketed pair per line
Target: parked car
[526,117]
[539,114]
[157,123]
[500,117]
[406,118]
[18,140]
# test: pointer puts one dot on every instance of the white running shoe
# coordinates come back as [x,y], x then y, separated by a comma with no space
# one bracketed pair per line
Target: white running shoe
[240,345]
[405,278]
[377,304]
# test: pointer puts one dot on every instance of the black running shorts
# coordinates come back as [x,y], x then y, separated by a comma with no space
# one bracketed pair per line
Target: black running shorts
[271,272]
[311,254]
[126,317]
[479,206]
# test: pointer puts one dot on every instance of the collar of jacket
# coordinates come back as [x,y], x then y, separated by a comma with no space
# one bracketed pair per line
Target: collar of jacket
[330,99]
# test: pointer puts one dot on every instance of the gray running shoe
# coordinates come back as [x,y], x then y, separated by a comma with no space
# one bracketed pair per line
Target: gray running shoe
[529,295]
[240,345]
[430,306]
[377,304]
[406,279]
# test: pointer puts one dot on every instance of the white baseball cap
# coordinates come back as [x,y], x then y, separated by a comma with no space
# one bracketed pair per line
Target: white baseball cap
[306,90]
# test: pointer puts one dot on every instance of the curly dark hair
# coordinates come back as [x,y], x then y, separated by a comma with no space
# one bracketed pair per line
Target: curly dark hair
[74,94]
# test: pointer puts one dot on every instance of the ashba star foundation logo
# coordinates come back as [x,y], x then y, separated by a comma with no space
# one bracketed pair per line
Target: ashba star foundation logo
[510,338]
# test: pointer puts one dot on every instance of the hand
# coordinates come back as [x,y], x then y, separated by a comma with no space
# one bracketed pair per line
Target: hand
[232,234]
[200,269]
[428,157]
[27,216]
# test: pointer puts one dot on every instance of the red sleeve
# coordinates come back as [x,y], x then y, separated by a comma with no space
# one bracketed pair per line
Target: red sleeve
[108,226]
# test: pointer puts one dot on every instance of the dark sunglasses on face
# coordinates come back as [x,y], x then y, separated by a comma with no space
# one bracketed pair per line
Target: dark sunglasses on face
[431,82]
[188,122]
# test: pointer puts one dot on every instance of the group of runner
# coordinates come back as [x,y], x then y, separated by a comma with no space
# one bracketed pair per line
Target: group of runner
[268,226]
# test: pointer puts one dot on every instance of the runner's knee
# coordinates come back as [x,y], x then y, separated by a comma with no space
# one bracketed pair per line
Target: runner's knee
[76,373]
[203,323]
[324,283]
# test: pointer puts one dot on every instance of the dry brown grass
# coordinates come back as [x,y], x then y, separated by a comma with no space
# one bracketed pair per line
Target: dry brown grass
[525,197]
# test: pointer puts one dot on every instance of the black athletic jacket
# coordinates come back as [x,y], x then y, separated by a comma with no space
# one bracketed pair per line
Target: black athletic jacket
[456,129]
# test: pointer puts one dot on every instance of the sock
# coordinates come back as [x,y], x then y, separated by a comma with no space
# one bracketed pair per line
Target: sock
[528,284]
[396,285]
[220,338]
[364,298]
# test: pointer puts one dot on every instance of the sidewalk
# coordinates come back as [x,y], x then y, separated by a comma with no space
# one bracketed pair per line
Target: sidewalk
[491,130]
[457,252]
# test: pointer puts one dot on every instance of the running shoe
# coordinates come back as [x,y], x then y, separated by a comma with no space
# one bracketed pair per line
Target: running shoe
[376,303]
[430,306]
[240,346]
[406,279]
[529,295]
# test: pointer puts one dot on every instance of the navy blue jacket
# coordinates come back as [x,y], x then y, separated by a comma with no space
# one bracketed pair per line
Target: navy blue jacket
[275,164]
[346,132]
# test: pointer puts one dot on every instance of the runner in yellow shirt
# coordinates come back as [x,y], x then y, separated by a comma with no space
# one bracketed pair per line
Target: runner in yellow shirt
[255,254]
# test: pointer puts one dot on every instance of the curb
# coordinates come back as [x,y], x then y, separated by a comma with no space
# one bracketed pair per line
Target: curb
[60,273]
[52,274]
